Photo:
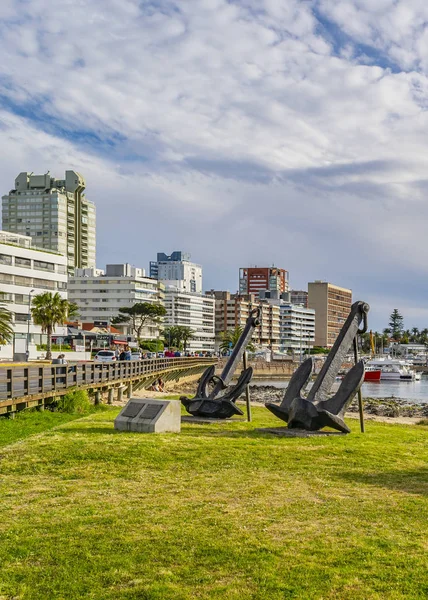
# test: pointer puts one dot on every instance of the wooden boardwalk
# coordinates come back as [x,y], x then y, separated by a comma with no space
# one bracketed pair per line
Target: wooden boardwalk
[33,384]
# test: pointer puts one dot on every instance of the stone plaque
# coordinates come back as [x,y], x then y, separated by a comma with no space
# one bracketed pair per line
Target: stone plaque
[147,415]
[132,409]
[151,411]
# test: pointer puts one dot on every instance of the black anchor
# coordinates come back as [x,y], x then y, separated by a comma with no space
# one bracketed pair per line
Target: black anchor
[317,410]
[219,403]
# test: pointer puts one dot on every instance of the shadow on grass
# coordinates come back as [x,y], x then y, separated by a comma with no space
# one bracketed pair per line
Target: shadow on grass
[99,430]
[198,431]
[414,481]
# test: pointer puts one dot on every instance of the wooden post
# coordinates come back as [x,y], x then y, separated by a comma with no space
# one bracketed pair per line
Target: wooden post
[97,397]
[247,391]
[360,395]
[110,396]
[120,393]
[129,393]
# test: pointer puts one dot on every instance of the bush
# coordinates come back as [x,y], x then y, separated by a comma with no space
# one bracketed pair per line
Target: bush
[318,350]
[74,402]
[152,345]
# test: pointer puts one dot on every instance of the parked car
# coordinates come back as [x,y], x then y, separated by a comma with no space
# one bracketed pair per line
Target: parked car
[105,356]
[135,355]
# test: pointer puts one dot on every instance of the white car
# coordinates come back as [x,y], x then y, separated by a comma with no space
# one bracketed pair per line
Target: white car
[135,355]
[105,356]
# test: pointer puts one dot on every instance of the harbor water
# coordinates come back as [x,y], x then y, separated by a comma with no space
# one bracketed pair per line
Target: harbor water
[413,391]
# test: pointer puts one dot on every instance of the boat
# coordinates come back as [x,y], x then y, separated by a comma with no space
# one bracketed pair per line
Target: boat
[372,374]
[392,369]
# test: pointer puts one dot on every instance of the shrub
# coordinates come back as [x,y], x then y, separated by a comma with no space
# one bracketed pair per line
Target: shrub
[74,402]
[152,345]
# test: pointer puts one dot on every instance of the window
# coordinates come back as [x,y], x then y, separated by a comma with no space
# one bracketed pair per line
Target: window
[23,262]
[21,318]
[44,266]
[5,259]
[27,281]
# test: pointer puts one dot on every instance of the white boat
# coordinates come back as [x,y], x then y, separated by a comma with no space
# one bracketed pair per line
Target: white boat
[393,369]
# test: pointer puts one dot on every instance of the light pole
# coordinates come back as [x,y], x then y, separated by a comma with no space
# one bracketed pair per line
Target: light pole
[27,353]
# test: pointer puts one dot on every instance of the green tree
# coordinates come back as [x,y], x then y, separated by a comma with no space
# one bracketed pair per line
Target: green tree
[177,336]
[139,315]
[396,324]
[6,331]
[230,338]
[50,310]
[415,334]
[186,334]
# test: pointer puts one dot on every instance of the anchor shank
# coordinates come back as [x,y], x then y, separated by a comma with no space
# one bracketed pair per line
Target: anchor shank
[237,353]
[337,354]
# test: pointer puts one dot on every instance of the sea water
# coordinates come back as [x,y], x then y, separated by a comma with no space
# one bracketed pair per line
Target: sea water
[413,391]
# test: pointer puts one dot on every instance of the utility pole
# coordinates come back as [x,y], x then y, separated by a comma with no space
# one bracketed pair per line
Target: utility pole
[27,352]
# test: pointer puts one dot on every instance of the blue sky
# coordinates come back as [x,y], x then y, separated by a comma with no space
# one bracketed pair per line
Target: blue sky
[245,132]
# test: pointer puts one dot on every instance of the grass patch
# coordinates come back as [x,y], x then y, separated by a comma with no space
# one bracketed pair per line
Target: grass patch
[27,423]
[218,512]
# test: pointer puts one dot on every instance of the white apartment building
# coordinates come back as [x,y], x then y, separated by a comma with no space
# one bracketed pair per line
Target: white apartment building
[297,328]
[100,294]
[55,214]
[177,271]
[194,311]
[25,272]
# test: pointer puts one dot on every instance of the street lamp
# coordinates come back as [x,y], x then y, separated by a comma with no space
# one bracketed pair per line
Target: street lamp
[27,353]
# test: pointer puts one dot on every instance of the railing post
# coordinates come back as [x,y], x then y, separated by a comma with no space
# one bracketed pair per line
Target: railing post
[26,381]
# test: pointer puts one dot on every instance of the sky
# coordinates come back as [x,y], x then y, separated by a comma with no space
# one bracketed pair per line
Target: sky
[246,132]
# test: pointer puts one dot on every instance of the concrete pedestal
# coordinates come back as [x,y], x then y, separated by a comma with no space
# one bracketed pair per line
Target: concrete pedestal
[147,415]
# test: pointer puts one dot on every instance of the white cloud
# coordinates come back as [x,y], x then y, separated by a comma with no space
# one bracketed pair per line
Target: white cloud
[244,132]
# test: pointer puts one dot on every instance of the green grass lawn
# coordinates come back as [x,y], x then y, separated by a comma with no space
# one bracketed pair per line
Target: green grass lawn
[29,423]
[218,511]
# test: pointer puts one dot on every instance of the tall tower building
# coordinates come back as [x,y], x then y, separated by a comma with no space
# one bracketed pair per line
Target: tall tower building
[55,214]
[332,306]
[176,271]
[253,280]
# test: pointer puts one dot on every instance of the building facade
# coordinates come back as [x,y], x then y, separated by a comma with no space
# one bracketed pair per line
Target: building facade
[195,311]
[297,328]
[299,297]
[100,294]
[332,305]
[232,310]
[55,214]
[26,272]
[253,280]
[177,271]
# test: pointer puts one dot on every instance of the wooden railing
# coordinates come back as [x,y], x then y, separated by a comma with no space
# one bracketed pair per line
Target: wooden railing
[32,380]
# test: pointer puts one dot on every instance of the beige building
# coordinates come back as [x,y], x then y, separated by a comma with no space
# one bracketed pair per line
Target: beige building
[232,310]
[55,214]
[332,305]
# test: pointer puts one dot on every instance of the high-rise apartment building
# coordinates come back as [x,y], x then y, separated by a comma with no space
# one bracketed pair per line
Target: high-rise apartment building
[191,310]
[332,305]
[299,297]
[100,294]
[55,214]
[177,271]
[25,272]
[253,280]
[232,310]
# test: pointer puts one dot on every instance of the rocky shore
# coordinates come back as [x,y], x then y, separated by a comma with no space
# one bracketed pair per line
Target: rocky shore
[384,407]
[380,407]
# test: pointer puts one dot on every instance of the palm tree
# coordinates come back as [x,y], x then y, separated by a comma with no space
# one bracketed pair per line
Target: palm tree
[6,331]
[415,334]
[230,338]
[186,334]
[50,310]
